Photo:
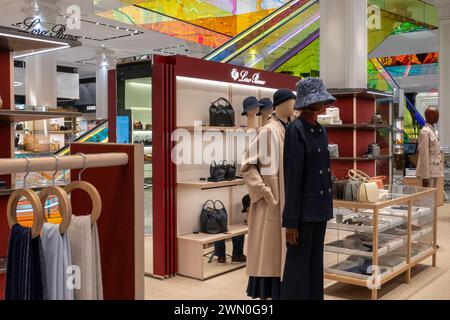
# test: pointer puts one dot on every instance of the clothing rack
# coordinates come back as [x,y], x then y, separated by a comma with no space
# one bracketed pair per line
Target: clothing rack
[116,171]
[78,161]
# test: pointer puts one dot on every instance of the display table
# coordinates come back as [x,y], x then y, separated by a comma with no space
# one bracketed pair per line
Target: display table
[374,243]
[412,181]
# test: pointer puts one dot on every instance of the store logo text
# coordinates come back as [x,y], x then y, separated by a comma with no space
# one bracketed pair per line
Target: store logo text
[33,26]
[244,77]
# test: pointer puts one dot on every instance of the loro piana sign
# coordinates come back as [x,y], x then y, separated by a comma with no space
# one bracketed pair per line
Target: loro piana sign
[245,76]
[33,25]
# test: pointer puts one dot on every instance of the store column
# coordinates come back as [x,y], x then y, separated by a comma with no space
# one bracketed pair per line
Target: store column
[105,62]
[41,68]
[443,7]
[343,43]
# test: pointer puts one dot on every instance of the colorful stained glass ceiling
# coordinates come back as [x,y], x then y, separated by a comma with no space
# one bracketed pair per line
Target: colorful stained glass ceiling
[207,22]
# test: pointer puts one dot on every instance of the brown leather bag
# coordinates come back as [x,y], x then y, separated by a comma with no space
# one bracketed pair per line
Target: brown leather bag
[380,181]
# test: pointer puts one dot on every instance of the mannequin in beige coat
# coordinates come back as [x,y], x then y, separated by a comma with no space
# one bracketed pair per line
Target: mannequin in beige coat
[266,246]
[429,164]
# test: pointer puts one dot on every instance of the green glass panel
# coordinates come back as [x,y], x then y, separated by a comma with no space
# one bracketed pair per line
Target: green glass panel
[306,63]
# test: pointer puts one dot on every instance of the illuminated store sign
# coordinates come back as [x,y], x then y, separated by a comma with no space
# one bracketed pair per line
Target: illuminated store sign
[245,76]
[33,25]
[87,109]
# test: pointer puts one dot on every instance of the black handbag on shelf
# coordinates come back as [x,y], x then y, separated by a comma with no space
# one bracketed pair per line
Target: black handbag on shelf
[216,172]
[138,139]
[147,141]
[230,171]
[221,113]
[213,220]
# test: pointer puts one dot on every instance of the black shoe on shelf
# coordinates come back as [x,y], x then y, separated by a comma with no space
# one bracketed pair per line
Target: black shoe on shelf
[241,258]
[221,259]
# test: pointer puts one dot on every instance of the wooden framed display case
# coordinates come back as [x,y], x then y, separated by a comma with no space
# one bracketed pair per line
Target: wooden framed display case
[370,244]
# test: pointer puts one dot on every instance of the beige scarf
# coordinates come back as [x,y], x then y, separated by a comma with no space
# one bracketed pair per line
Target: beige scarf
[85,249]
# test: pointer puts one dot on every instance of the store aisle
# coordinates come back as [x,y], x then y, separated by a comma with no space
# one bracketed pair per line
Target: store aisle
[427,282]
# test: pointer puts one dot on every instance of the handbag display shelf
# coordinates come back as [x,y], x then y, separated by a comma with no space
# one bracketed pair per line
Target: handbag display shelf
[183,89]
[356,109]
[396,233]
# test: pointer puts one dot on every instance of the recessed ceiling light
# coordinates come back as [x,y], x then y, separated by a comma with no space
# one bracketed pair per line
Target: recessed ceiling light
[97,23]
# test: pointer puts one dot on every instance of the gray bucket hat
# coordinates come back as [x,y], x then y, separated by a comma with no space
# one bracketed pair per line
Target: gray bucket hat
[312,91]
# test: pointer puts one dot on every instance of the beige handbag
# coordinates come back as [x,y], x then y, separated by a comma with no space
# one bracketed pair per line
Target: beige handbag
[368,191]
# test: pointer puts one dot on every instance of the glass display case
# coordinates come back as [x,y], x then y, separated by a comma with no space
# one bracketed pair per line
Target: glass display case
[370,244]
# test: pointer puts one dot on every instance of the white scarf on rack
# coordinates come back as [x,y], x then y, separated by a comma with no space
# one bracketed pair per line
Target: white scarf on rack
[57,262]
[85,248]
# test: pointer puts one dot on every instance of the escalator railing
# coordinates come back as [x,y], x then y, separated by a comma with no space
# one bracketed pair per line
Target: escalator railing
[97,134]
[277,31]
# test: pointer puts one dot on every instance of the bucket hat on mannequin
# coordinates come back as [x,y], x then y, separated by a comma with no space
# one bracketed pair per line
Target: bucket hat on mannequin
[265,104]
[249,103]
[312,91]
[282,95]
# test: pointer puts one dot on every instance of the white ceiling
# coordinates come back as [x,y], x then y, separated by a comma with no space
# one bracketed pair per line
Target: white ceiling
[146,42]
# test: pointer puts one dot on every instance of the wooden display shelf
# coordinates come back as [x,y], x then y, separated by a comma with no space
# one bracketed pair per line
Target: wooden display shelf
[361,158]
[205,128]
[141,131]
[12,116]
[360,126]
[205,238]
[49,131]
[191,253]
[204,185]
[33,152]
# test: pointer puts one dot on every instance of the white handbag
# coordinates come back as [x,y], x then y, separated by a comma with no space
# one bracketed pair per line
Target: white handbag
[325,119]
[334,150]
[368,191]
[335,114]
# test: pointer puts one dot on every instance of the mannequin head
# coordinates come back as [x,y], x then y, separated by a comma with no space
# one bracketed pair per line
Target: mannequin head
[432,115]
[285,110]
[252,120]
[265,115]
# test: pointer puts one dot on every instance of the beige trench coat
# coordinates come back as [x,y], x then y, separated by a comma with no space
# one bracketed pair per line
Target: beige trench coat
[266,245]
[429,163]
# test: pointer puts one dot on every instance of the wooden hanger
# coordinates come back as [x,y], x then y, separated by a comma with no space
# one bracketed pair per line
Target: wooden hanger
[65,207]
[90,190]
[38,210]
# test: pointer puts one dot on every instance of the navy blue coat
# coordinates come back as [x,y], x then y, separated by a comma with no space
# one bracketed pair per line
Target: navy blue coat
[307,175]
